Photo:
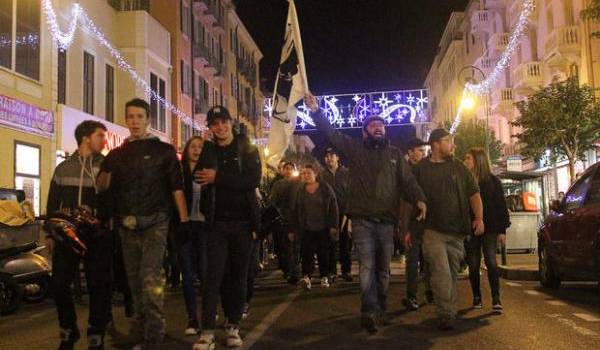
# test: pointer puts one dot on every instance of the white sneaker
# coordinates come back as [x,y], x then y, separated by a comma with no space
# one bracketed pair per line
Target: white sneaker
[137,347]
[305,283]
[325,282]
[192,328]
[233,337]
[205,342]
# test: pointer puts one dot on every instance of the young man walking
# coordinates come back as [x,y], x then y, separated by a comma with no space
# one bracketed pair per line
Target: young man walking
[452,194]
[73,186]
[145,178]
[379,176]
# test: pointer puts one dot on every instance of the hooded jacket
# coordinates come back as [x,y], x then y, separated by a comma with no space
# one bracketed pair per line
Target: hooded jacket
[379,176]
[299,215]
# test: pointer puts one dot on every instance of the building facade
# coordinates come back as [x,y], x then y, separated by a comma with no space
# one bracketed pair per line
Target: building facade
[556,45]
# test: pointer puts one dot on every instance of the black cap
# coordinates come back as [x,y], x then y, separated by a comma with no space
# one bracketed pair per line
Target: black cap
[437,135]
[371,119]
[414,143]
[217,112]
[331,150]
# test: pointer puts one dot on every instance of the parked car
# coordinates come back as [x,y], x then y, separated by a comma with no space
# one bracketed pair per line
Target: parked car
[569,239]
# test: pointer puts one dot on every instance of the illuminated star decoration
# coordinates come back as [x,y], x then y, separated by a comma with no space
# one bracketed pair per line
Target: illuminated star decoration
[356,98]
[383,101]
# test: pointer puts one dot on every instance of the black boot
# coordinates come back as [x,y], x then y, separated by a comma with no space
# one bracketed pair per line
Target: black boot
[68,338]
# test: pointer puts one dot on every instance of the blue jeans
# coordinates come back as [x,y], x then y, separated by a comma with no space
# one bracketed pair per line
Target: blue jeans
[193,262]
[375,244]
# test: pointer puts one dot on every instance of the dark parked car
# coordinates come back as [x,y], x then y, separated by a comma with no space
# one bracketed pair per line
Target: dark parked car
[569,239]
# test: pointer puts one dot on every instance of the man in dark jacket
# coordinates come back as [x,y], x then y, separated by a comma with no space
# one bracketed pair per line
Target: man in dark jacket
[230,168]
[74,185]
[336,176]
[452,194]
[379,176]
[145,178]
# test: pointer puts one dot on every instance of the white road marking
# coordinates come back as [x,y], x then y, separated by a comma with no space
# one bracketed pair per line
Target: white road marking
[569,323]
[556,302]
[533,292]
[587,317]
[514,284]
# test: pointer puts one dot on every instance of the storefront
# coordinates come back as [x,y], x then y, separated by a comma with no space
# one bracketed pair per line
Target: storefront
[26,132]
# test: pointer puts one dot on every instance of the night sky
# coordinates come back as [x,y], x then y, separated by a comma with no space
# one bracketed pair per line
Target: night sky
[353,45]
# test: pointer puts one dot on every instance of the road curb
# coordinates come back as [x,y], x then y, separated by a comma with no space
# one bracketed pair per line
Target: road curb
[519,273]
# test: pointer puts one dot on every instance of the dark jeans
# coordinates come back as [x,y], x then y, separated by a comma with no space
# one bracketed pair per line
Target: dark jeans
[192,259]
[345,250]
[253,269]
[375,244]
[487,243]
[97,264]
[229,248]
[315,242]
[414,260]
[121,283]
[170,262]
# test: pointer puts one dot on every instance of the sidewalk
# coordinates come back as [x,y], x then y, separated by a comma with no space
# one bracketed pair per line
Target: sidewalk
[523,267]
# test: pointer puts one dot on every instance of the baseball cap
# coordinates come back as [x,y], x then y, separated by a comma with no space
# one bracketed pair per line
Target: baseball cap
[414,143]
[217,112]
[371,119]
[331,150]
[437,135]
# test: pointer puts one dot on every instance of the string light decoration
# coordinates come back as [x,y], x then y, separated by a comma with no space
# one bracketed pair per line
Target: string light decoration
[488,83]
[65,39]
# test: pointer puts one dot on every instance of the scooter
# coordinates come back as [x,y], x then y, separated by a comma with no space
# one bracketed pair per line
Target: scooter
[10,294]
[29,269]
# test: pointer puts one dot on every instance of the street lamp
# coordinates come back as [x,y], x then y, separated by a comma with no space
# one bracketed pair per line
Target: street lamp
[468,74]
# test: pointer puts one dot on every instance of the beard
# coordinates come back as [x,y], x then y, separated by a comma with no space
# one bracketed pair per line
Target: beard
[376,141]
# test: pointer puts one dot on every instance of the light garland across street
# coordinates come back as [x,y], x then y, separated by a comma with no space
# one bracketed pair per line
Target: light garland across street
[488,83]
[65,39]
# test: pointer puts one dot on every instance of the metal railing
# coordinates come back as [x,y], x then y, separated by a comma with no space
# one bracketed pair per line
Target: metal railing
[130,5]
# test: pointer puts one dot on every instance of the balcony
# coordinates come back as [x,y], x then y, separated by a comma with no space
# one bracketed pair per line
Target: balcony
[130,5]
[527,78]
[201,54]
[211,12]
[486,64]
[515,9]
[563,46]
[498,42]
[502,101]
[481,21]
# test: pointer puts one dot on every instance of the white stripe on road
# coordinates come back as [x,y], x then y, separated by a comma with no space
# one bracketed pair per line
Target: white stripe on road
[588,317]
[556,302]
[533,292]
[569,323]
[514,284]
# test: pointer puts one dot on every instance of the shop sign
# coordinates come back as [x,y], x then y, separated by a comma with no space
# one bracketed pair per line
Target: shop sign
[22,116]
[514,163]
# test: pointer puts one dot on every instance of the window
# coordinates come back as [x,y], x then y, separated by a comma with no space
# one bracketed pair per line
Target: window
[20,38]
[62,77]
[593,196]
[88,83]
[576,195]
[27,172]
[205,90]
[186,78]
[157,111]
[186,20]
[109,102]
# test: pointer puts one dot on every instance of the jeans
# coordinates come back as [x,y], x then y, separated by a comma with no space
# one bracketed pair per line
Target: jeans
[253,268]
[413,261]
[443,253]
[375,244]
[98,265]
[229,248]
[317,242]
[192,258]
[144,251]
[345,250]
[487,243]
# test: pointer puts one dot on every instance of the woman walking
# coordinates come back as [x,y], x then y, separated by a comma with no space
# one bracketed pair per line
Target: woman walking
[192,246]
[314,224]
[496,221]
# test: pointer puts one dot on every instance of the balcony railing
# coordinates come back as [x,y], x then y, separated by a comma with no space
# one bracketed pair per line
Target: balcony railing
[481,21]
[502,100]
[130,5]
[201,53]
[210,9]
[486,63]
[527,77]
[499,41]
[563,40]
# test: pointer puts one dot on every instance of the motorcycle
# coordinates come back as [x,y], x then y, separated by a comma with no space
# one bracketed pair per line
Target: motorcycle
[28,269]
[10,294]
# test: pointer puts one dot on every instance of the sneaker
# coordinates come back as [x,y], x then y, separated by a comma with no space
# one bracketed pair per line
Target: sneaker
[137,347]
[205,342]
[347,277]
[325,282]
[497,305]
[192,328]
[332,278]
[429,296]
[245,311]
[233,337]
[446,324]
[305,283]
[477,303]
[369,323]
[95,342]
[68,338]
[410,303]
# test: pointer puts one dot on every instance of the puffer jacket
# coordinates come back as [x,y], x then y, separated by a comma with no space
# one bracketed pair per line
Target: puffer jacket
[379,176]
[144,174]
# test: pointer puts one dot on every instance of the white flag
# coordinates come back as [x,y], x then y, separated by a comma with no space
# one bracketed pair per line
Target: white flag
[290,87]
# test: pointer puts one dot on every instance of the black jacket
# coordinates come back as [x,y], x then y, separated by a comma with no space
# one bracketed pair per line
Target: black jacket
[144,175]
[495,213]
[379,176]
[299,214]
[242,182]
[339,182]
